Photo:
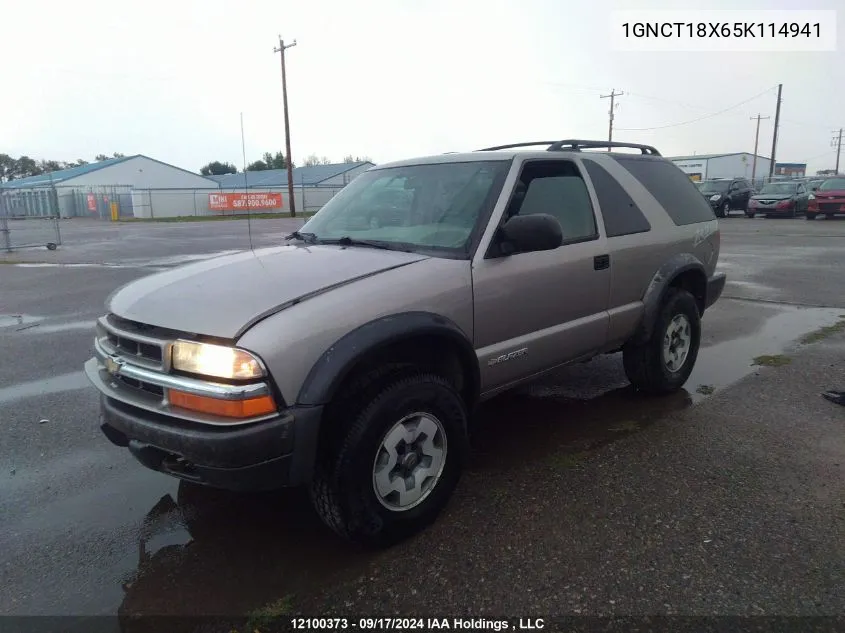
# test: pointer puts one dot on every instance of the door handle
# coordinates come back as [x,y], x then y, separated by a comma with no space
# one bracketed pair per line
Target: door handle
[601,262]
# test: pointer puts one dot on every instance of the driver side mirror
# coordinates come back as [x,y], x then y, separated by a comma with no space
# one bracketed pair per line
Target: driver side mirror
[530,233]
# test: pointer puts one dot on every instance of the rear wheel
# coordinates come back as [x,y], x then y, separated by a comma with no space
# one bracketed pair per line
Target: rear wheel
[395,459]
[664,362]
[724,209]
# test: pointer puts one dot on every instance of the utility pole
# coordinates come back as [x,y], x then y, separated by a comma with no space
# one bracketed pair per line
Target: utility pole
[837,143]
[756,139]
[613,94]
[281,49]
[775,134]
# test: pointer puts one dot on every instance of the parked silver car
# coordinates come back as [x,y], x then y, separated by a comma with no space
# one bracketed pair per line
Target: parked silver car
[350,358]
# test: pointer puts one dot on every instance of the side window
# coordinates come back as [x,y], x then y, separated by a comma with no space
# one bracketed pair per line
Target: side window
[556,188]
[671,187]
[621,214]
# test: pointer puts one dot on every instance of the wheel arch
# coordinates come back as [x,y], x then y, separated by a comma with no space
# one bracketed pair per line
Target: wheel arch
[433,338]
[681,271]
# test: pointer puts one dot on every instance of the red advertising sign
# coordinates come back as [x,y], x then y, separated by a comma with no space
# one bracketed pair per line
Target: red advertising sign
[92,202]
[244,201]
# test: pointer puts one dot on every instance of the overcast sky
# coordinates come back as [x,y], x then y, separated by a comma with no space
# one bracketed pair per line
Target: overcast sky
[388,79]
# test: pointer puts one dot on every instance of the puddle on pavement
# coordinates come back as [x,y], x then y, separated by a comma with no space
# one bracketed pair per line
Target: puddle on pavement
[31,324]
[725,363]
[178,260]
[212,552]
[583,406]
[57,384]
[18,320]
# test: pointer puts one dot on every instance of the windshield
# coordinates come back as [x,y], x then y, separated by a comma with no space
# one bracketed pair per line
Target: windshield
[833,184]
[432,207]
[714,186]
[778,187]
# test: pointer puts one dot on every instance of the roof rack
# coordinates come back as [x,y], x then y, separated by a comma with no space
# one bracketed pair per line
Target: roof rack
[575,145]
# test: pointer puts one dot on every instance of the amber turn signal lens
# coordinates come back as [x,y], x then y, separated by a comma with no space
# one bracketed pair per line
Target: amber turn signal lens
[249,408]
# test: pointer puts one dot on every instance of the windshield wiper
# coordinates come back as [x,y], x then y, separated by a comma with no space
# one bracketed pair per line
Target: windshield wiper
[348,241]
[308,238]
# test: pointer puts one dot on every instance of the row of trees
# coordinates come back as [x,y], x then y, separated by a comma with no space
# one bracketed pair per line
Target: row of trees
[24,166]
[272,161]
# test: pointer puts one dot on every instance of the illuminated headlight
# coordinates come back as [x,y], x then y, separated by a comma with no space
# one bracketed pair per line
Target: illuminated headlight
[215,360]
[715,197]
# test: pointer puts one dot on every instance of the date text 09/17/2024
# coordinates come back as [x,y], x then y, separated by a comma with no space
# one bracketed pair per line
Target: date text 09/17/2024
[416,624]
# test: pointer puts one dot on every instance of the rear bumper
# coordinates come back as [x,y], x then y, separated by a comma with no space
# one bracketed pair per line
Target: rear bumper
[262,456]
[715,286]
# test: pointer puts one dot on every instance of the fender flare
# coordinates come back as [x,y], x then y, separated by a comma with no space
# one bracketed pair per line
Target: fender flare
[335,364]
[659,286]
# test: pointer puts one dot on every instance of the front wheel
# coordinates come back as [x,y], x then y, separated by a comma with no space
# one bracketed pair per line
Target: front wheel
[664,362]
[809,216]
[396,460]
[725,209]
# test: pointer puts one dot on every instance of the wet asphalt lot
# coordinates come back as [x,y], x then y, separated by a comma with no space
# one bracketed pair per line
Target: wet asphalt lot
[581,498]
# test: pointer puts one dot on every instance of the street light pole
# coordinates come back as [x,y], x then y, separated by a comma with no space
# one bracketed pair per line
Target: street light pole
[281,49]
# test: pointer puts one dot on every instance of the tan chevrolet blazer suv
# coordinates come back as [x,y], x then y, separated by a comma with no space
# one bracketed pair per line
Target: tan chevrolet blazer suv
[350,357]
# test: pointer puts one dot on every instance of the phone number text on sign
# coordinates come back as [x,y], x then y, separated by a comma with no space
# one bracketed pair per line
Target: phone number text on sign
[242,201]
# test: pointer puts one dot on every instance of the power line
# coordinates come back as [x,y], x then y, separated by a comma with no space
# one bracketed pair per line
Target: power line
[707,116]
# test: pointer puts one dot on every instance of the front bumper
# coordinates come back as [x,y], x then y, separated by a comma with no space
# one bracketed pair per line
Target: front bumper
[715,286]
[772,210]
[263,455]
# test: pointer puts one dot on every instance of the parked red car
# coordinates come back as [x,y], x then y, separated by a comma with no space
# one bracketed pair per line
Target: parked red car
[828,199]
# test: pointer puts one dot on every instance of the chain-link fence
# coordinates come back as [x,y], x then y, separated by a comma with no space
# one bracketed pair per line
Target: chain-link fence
[117,202]
[19,230]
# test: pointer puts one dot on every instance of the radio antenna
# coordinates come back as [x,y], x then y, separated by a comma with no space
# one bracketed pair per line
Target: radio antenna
[246,186]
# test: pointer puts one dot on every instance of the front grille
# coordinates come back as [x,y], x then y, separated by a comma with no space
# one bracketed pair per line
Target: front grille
[142,386]
[136,344]
[830,207]
[129,347]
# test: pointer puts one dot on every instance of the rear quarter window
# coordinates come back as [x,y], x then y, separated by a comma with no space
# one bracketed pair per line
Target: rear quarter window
[671,187]
[621,214]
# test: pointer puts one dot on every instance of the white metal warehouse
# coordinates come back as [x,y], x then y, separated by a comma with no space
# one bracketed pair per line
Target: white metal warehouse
[89,190]
[313,185]
[736,165]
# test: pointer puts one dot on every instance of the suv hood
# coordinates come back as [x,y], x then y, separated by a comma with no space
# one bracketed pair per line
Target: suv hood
[224,296]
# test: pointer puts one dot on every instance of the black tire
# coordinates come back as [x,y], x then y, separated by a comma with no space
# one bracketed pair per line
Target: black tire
[342,491]
[724,209]
[644,363]
[809,216]
[750,215]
